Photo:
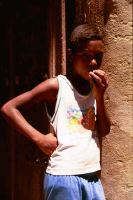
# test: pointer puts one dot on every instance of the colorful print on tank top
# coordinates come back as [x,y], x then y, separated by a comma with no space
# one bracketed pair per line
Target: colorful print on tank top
[83,119]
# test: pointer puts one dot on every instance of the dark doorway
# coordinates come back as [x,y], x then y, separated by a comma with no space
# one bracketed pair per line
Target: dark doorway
[24,44]
[32,48]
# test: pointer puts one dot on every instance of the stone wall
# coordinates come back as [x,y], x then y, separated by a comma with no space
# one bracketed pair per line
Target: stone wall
[117,147]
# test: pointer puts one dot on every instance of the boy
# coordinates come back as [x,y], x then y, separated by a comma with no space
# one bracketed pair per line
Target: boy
[75,106]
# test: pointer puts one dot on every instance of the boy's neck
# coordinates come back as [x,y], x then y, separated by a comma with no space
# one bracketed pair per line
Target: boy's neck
[80,84]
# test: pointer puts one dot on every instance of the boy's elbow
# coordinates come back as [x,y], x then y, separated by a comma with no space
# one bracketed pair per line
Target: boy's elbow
[5,109]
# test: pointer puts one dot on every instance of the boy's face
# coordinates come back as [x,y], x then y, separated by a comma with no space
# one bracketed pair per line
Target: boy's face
[88,58]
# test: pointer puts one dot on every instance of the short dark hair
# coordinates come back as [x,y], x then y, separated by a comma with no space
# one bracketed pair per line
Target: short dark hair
[82,34]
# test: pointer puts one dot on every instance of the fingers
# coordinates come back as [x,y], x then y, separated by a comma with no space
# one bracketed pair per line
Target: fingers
[101,74]
[48,143]
[99,77]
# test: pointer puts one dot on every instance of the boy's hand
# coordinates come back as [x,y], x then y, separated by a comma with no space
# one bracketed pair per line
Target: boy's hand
[99,83]
[47,143]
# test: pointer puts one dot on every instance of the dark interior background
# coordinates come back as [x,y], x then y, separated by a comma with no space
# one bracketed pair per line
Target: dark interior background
[24,53]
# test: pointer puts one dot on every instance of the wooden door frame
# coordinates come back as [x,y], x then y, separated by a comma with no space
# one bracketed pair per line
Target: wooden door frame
[57,64]
[54,68]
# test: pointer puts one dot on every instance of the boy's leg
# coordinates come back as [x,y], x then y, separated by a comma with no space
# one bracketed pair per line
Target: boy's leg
[98,191]
[62,187]
[92,190]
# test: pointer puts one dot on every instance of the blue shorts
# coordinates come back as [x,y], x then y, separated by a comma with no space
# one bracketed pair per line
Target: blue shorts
[67,187]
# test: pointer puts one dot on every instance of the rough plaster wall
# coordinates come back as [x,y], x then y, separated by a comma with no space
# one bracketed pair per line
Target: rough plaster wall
[117,147]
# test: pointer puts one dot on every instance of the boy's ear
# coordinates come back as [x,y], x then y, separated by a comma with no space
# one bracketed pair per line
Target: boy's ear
[69,54]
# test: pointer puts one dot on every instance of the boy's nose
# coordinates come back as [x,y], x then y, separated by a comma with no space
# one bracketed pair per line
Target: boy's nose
[93,62]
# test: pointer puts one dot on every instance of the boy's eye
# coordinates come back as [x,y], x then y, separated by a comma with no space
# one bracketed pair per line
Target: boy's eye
[98,57]
[87,56]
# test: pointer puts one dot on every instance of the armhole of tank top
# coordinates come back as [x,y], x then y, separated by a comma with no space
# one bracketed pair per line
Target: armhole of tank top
[51,118]
[95,107]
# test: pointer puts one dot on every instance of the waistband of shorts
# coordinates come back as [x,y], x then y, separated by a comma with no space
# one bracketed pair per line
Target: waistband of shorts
[94,176]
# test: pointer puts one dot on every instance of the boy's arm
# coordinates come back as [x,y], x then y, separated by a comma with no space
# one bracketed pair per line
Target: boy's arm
[45,91]
[99,84]
[103,121]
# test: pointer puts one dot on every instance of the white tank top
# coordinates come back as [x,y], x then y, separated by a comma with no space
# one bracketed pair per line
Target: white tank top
[74,125]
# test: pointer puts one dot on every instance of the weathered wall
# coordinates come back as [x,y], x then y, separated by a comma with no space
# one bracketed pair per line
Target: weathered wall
[117,149]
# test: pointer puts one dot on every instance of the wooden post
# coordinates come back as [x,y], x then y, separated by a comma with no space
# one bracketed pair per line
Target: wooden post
[12,93]
[52,46]
[57,29]
[63,37]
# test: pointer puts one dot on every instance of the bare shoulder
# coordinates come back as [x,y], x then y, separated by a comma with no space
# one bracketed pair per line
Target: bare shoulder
[46,86]
[46,90]
[43,92]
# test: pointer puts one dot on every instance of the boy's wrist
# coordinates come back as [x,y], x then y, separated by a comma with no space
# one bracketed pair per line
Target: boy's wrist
[37,137]
[100,100]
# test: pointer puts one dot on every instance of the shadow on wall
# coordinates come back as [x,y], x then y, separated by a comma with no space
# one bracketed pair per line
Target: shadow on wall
[109,7]
[129,1]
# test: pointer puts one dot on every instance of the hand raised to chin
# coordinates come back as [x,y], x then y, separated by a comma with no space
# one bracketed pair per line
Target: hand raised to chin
[99,83]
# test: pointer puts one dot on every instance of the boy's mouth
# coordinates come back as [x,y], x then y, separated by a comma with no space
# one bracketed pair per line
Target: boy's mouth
[88,69]
[91,68]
